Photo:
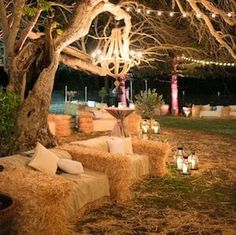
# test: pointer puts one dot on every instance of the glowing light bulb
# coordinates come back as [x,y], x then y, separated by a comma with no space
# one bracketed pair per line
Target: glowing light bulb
[184,15]
[159,13]
[213,15]
[229,14]
[128,9]
[138,10]
[198,15]
[171,14]
[148,12]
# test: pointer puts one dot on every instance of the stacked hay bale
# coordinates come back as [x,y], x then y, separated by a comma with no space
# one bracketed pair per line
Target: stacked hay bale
[132,124]
[85,122]
[196,109]
[62,124]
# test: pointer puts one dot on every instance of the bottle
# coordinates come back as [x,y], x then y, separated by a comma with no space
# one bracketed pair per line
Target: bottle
[194,161]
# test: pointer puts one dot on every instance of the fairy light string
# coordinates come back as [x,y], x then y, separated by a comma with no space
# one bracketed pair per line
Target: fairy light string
[208,62]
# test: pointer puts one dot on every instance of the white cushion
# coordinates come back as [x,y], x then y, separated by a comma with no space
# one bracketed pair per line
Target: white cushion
[120,145]
[70,166]
[44,160]
[116,145]
[219,107]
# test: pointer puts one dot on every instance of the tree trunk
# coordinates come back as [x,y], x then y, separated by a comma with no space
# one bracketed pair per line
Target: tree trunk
[32,126]
[174,89]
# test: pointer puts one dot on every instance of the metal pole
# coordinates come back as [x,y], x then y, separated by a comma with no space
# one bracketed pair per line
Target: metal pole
[146,88]
[65,93]
[131,89]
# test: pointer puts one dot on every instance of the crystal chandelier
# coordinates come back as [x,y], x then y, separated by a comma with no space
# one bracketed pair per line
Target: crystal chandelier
[115,57]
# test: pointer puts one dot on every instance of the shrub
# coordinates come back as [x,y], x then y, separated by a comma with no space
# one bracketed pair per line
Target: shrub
[8,114]
[147,102]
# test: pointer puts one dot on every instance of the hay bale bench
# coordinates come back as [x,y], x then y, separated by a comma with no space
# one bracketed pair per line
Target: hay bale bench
[148,159]
[49,204]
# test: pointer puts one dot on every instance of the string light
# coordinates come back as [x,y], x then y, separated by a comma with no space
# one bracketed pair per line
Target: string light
[172,13]
[206,62]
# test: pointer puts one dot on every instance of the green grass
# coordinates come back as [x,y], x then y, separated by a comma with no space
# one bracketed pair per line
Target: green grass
[220,126]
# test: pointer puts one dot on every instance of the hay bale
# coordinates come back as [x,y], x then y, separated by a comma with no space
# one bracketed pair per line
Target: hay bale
[41,199]
[132,123]
[116,166]
[196,109]
[86,122]
[157,153]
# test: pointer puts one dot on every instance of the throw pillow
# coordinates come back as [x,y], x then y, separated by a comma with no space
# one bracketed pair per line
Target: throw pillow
[116,145]
[61,153]
[70,166]
[44,160]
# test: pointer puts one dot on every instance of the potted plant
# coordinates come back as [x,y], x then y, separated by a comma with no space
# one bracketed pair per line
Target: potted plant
[146,104]
[103,94]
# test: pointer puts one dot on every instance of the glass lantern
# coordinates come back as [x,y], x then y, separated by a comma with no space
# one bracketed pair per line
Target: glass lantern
[186,166]
[155,127]
[178,157]
[193,160]
[144,127]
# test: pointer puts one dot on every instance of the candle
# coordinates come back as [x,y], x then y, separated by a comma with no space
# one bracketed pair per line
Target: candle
[155,129]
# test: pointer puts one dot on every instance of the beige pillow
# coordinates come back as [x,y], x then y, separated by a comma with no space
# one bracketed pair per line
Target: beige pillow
[44,160]
[128,145]
[116,145]
[70,166]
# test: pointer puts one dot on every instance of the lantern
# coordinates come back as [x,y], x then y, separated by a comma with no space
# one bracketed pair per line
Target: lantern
[178,157]
[186,166]
[155,127]
[193,160]
[144,127]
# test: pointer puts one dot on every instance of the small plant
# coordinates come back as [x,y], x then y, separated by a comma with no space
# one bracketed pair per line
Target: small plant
[147,102]
[8,114]
[103,93]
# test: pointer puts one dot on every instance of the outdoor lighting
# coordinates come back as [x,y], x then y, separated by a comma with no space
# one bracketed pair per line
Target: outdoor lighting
[179,157]
[193,160]
[171,14]
[144,127]
[115,55]
[186,166]
[213,15]
[159,13]
[155,127]
[186,111]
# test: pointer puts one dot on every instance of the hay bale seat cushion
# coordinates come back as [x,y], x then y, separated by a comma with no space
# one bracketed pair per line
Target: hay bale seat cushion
[149,158]
[48,204]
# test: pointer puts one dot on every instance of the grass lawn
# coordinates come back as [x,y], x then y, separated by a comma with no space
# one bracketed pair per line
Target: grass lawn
[220,126]
[201,203]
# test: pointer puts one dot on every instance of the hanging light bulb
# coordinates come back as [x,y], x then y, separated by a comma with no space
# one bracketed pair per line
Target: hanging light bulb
[171,14]
[159,13]
[213,15]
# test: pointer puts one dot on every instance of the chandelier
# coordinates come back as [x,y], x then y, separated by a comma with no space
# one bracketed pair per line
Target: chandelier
[115,57]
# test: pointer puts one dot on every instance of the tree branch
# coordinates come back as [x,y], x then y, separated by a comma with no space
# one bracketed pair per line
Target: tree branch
[3,19]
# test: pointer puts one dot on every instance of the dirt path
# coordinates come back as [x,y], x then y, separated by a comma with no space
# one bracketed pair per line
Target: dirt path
[203,203]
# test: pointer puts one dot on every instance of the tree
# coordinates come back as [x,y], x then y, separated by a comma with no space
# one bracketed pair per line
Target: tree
[103,93]
[34,46]
[38,35]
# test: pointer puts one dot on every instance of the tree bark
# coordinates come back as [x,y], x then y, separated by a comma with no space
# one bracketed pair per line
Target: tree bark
[32,126]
